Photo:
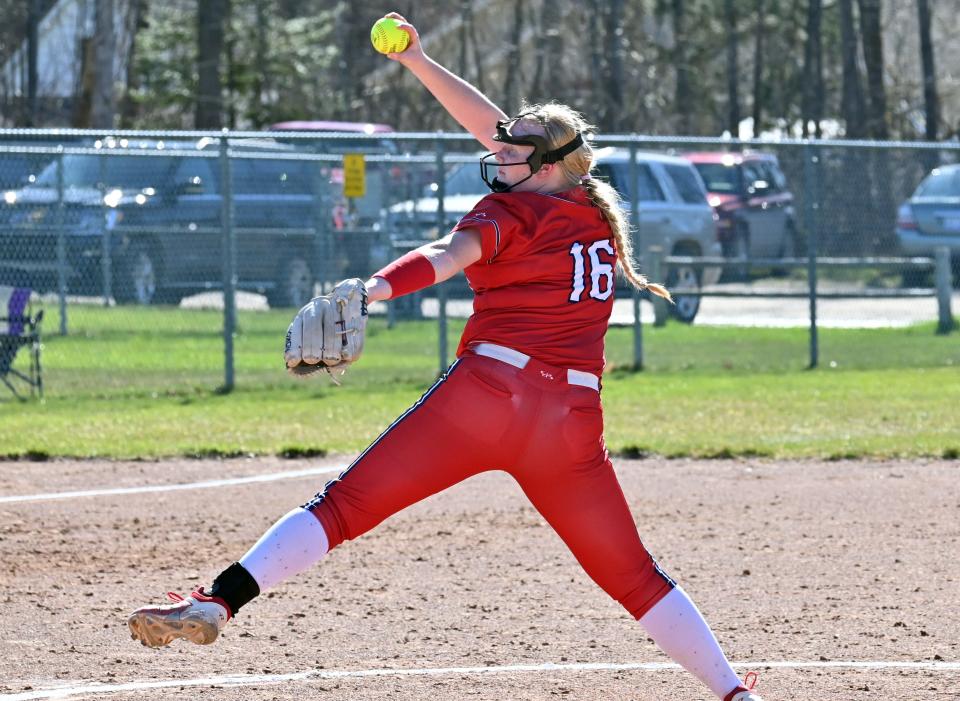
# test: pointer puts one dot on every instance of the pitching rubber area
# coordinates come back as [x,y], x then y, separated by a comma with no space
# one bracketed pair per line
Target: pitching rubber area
[831,580]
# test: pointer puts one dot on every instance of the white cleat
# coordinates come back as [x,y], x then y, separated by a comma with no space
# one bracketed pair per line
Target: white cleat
[198,618]
[746,696]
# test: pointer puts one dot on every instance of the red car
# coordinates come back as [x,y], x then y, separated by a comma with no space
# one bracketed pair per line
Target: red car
[750,195]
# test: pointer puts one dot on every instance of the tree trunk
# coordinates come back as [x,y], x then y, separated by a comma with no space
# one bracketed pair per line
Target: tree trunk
[931,101]
[210,37]
[514,73]
[870,31]
[466,10]
[474,46]
[103,104]
[812,108]
[348,17]
[615,51]
[682,102]
[128,106]
[758,59]
[852,103]
[259,111]
[594,30]
[31,118]
[83,100]
[230,43]
[733,72]
[549,49]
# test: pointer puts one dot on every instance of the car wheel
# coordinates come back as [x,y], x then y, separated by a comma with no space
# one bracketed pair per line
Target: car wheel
[685,307]
[293,286]
[135,277]
[916,277]
[738,249]
[789,248]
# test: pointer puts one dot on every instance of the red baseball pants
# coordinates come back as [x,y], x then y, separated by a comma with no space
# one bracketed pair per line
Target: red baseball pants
[485,414]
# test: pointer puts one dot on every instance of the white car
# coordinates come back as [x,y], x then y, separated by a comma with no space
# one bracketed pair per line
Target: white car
[673,211]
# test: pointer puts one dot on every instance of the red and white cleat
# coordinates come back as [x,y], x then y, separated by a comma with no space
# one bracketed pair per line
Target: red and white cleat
[198,618]
[745,696]
[745,693]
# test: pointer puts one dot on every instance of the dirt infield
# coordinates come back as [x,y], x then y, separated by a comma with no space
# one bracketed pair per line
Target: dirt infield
[798,565]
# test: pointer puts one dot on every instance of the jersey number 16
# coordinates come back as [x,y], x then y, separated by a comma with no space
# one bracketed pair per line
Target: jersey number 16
[601,274]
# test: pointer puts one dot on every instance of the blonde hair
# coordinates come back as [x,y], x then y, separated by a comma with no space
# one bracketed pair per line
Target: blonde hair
[561,124]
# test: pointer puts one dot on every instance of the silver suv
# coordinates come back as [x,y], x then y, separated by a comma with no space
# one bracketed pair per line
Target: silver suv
[673,209]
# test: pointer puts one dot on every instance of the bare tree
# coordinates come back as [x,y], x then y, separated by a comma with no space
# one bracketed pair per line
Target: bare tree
[103,104]
[615,51]
[548,48]
[261,77]
[594,31]
[514,75]
[931,100]
[758,59]
[683,106]
[33,23]
[852,104]
[138,22]
[211,15]
[872,36]
[733,72]
[812,107]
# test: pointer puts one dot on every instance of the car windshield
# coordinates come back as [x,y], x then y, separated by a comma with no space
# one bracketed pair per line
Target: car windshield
[463,180]
[719,178]
[19,169]
[940,183]
[111,171]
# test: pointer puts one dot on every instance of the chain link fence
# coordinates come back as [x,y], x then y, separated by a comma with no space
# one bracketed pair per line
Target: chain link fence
[208,240]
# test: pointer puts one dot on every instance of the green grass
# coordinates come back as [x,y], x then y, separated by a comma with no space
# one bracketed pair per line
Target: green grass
[143,383]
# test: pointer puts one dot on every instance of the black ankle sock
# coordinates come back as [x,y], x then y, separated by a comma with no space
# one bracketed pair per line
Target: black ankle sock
[235,586]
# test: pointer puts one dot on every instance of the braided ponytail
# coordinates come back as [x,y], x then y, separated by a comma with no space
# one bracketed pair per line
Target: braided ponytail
[560,123]
[607,200]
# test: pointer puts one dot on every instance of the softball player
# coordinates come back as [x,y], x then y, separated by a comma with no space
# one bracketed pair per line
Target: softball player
[522,396]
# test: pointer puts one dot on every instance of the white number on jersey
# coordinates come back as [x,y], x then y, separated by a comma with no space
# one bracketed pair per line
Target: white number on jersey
[601,274]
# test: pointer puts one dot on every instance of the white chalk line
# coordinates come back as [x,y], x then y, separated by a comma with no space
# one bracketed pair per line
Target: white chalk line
[146,489]
[232,680]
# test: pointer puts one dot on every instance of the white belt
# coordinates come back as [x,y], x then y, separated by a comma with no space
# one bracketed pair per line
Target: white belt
[520,360]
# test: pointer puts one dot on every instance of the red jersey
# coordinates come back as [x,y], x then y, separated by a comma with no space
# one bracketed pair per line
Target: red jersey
[544,284]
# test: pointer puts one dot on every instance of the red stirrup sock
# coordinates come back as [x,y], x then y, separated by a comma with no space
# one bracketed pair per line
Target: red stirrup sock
[408,273]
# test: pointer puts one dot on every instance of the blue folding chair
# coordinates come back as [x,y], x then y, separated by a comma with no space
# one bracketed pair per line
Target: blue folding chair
[19,328]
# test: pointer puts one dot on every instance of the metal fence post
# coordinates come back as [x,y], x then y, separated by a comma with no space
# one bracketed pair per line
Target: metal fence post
[229,262]
[944,290]
[637,246]
[61,246]
[811,196]
[441,288]
[106,263]
[660,312]
[322,249]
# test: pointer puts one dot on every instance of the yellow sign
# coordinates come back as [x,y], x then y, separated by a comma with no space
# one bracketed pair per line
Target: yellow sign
[354,175]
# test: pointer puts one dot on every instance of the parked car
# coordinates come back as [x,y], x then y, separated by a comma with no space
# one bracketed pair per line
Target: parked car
[18,170]
[673,213]
[931,218]
[755,207]
[156,208]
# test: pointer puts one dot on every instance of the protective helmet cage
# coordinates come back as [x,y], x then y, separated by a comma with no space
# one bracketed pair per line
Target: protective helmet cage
[542,154]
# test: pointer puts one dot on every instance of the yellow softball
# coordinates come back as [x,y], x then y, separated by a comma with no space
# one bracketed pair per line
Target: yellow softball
[387,37]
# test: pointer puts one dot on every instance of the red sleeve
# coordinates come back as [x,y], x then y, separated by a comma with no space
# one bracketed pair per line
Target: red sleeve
[499,218]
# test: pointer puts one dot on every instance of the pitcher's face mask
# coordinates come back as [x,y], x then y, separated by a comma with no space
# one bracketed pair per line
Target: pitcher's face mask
[541,155]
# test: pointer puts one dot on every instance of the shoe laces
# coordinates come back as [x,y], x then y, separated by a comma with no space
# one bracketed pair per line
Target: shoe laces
[750,680]
[174,596]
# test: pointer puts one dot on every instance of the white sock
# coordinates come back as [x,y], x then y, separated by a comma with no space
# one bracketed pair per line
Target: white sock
[292,544]
[677,627]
